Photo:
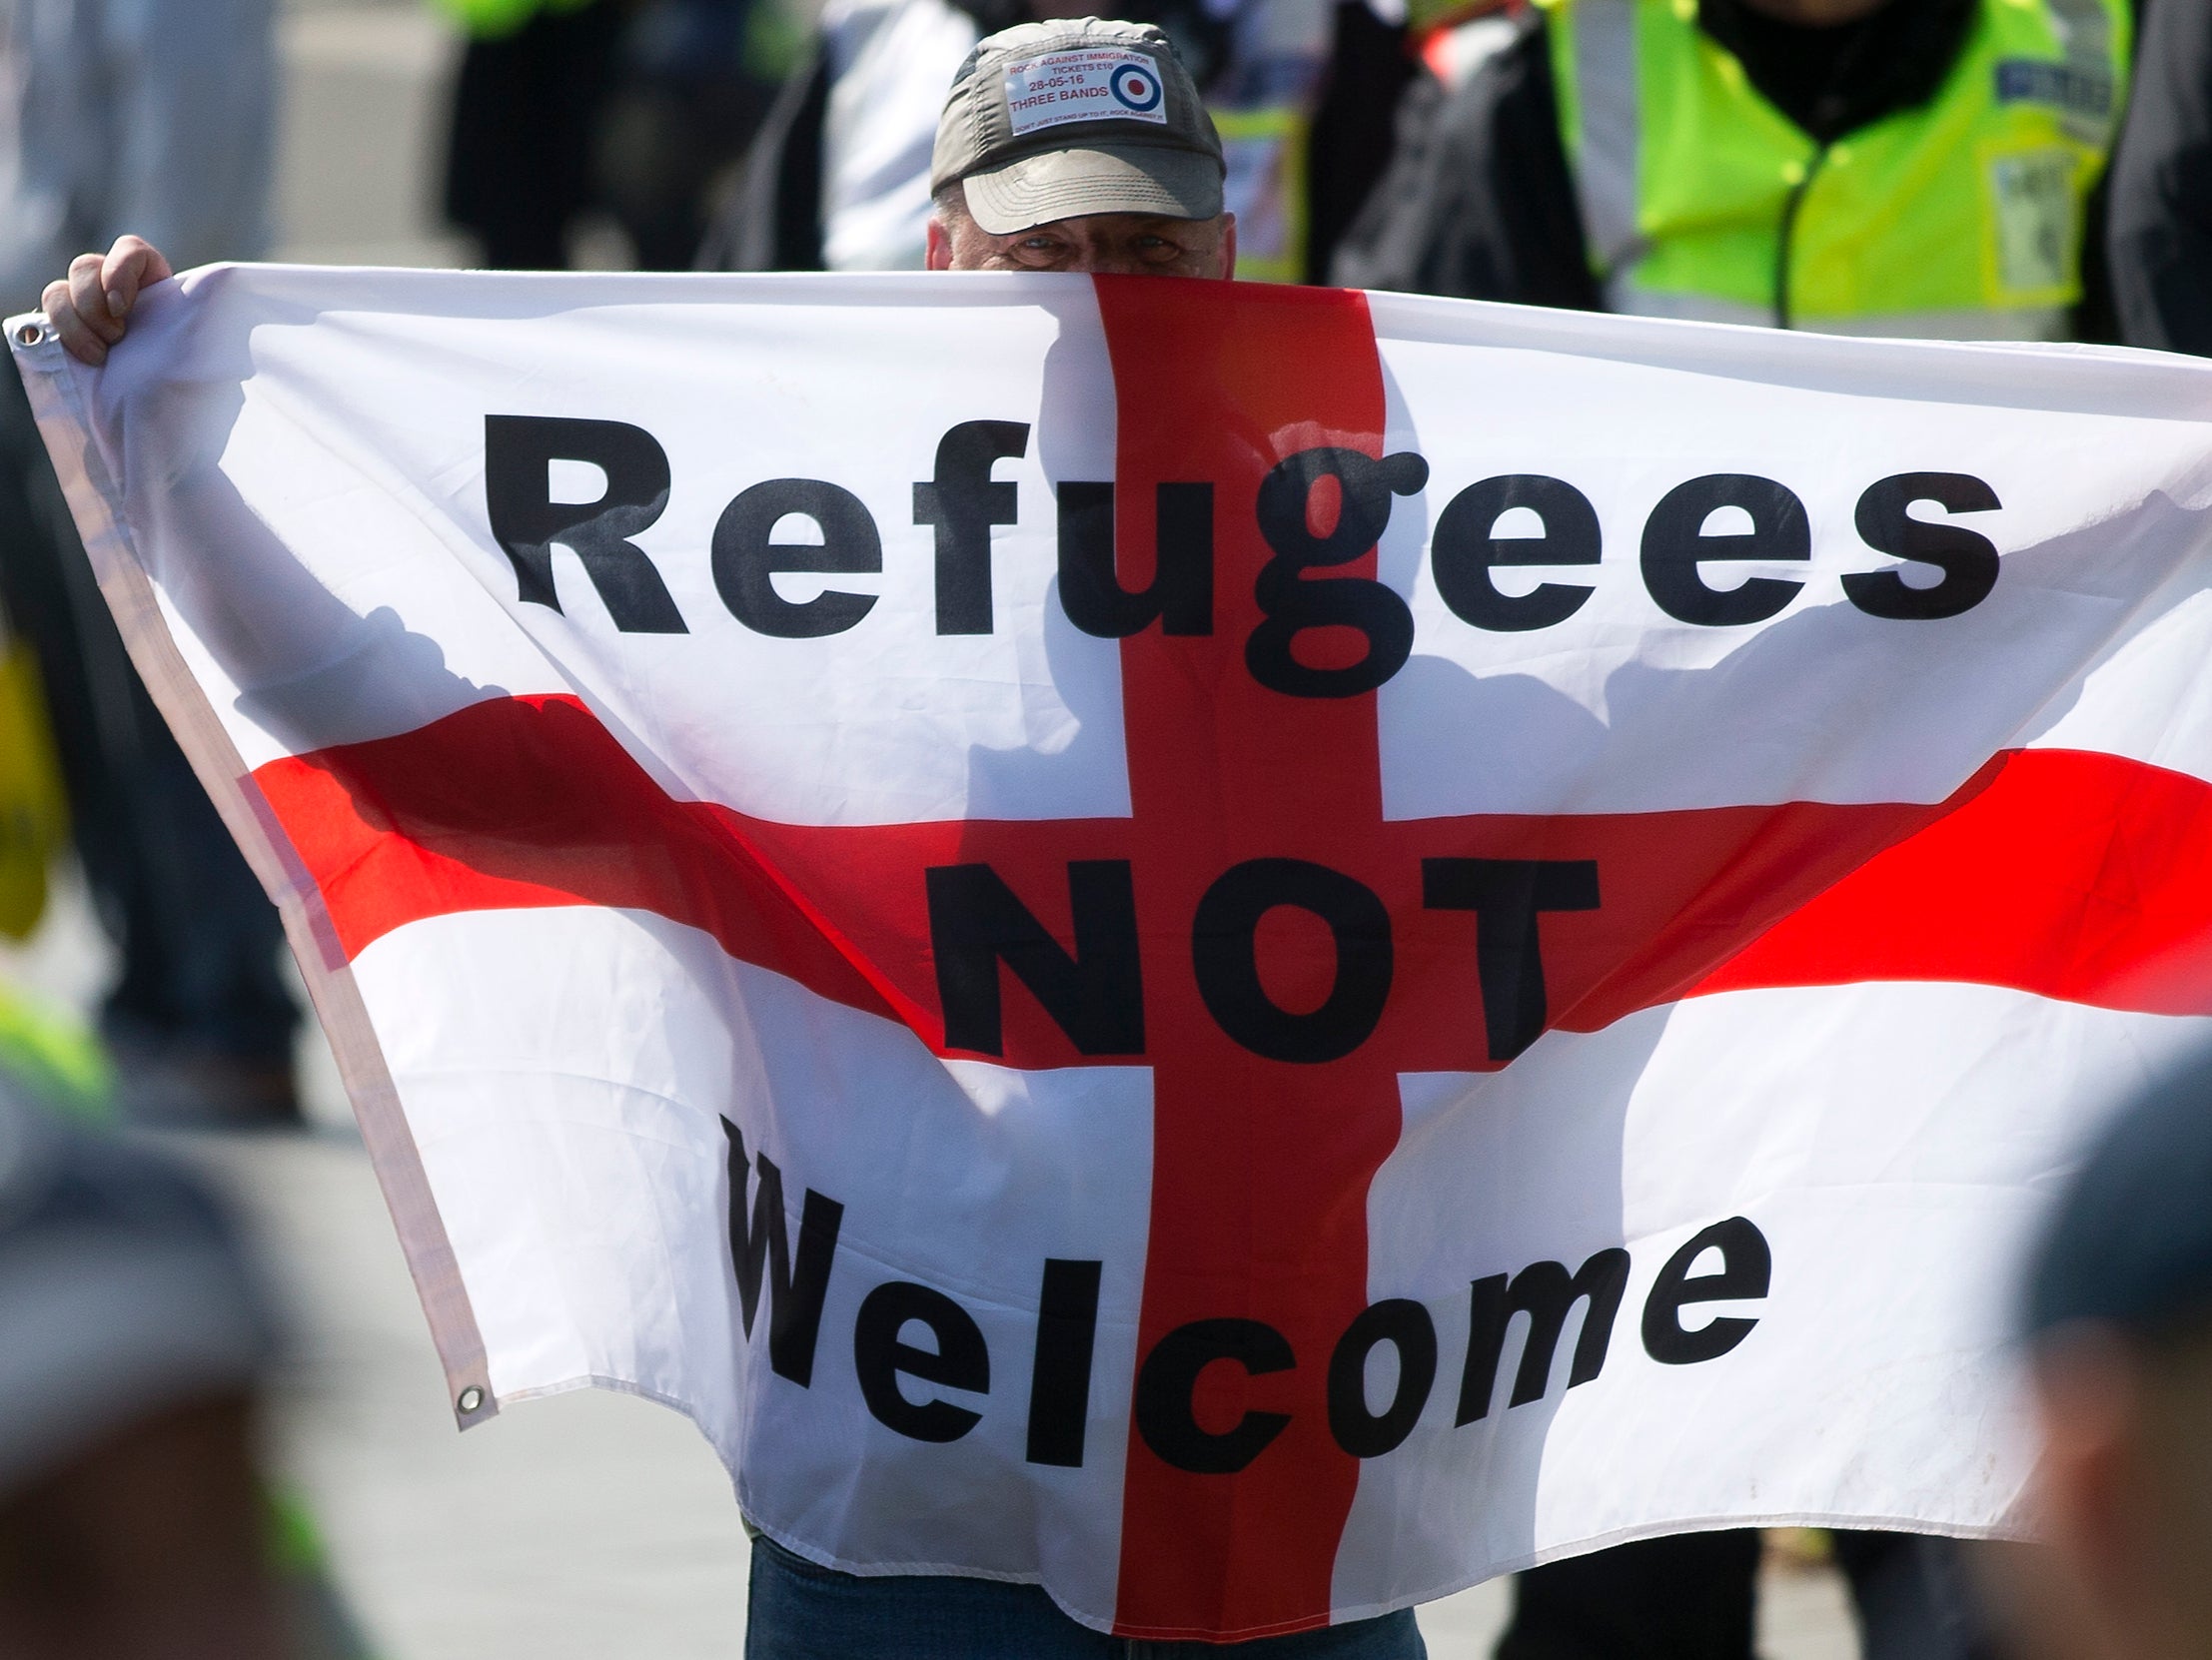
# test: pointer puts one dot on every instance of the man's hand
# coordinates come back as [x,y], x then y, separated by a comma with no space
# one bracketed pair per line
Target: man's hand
[90,307]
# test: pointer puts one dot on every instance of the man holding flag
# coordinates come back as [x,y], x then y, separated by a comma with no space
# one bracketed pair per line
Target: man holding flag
[1134,944]
[1115,193]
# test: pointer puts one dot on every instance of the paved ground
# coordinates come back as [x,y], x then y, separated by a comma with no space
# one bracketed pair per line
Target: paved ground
[365,87]
[591,1526]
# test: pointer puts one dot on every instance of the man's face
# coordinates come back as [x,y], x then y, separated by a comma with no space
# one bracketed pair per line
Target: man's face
[1106,245]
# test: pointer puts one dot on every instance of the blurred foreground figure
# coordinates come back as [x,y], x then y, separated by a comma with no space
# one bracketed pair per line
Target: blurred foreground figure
[2162,187]
[134,1525]
[1879,167]
[153,113]
[2119,1318]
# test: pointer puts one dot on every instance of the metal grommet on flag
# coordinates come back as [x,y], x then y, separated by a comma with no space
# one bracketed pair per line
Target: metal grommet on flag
[471,1401]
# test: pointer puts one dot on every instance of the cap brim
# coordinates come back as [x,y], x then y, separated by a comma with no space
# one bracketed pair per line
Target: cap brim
[1095,179]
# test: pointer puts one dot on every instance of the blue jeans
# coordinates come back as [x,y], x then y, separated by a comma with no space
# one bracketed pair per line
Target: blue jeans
[799,1611]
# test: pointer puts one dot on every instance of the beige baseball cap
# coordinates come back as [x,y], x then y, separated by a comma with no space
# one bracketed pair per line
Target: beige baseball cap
[1077,116]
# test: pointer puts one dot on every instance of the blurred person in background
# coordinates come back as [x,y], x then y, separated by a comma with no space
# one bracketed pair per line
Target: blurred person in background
[153,113]
[1301,91]
[1879,167]
[134,1521]
[2118,1327]
[692,84]
[638,109]
[2161,229]
[526,104]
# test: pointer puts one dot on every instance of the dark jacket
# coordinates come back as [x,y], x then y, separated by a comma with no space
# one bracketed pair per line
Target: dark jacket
[2161,224]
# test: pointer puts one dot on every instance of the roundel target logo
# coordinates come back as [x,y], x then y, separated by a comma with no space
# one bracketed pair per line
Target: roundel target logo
[1135,87]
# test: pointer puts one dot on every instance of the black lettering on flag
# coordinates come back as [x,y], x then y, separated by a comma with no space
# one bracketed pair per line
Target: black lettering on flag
[518,453]
[1507,897]
[1545,1293]
[745,559]
[1060,1376]
[1293,602]
[1095,995]
[1747,1271]
[1675,546]
[1181,593]
[1967,559]
[962,502]
[1169,1377]
[1406,1326]
[1224,953]
[881,1357]
[797,1288]
[1466,548]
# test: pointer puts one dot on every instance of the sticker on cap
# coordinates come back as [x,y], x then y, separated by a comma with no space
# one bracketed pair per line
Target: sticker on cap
[1085,84]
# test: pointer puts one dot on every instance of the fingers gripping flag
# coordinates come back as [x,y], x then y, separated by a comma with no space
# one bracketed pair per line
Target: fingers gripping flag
[1253,953]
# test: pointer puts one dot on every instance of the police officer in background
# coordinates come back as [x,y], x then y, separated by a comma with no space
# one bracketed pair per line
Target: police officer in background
[1883,167]
[1926,167]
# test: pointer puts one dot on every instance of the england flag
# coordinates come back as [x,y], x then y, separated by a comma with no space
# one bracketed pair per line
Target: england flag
[1250,953]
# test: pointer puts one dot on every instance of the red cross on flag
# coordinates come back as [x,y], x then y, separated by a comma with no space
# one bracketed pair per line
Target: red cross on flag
[1251,953]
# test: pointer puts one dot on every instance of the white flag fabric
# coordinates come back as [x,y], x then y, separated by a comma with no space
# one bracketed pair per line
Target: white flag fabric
[1251,953]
